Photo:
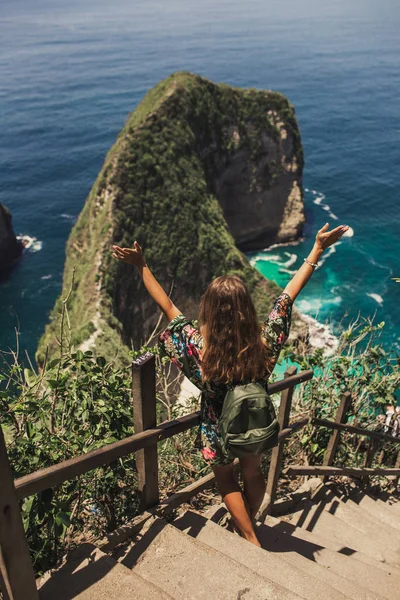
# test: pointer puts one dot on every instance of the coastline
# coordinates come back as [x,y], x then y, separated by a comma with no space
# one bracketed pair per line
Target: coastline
[321,335]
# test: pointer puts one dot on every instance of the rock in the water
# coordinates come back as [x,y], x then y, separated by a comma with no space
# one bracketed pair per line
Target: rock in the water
[10,247]
[200,173]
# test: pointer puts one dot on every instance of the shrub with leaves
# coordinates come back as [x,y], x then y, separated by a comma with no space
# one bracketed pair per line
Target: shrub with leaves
[75,405]
[360,365]
[78,403]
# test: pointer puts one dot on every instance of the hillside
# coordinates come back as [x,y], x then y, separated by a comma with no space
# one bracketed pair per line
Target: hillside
[199,174]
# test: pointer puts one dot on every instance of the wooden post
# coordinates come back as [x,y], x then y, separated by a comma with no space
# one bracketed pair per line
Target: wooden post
[333,443]
[277,452]
[145,417]
[5,591]
[369,457]
[17,568]
[397,466]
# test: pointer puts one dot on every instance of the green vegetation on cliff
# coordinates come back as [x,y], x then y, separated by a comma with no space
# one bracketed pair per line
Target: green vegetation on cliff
[169,182]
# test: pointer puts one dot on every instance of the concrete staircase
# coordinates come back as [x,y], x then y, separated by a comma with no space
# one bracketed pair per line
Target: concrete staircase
[330,548]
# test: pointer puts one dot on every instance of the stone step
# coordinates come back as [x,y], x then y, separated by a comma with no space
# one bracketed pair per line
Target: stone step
[372,578]
[393,505]
[390,531]
[390,499]
[358,519]
[89,574]
[355,563]
[334,545]
[379,510]
[309,580]
[312,517]
[188,569]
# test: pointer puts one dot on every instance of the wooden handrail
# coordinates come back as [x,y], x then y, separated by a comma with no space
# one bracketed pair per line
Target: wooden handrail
[290,381]
[352,429]
[287,431]
[69,469]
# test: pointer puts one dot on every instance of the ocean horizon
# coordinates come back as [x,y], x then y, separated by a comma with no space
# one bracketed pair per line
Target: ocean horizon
[72,72]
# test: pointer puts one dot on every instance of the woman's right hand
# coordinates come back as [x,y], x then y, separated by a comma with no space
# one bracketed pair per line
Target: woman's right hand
[132,256]
[325,238]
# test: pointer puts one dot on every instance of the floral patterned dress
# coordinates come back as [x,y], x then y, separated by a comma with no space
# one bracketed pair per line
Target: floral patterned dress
[182,343]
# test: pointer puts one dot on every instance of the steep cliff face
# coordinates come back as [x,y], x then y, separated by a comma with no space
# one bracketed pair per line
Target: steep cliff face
[10,248]
[199,173]
[259,187]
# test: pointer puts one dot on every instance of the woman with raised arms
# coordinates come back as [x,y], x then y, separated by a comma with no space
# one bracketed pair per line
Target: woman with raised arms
[230,347]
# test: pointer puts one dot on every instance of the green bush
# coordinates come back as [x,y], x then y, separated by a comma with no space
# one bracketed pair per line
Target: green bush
[360,365]
[79,403]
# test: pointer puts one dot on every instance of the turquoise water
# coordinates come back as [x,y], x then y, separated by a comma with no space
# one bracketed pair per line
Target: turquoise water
[71,72]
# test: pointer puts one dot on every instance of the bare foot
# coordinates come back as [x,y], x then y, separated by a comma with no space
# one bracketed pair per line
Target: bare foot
[251,539]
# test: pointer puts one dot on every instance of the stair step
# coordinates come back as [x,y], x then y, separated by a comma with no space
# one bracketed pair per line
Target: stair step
[358,519]
[377,581]
[371,516]
[188,569]
[89,574]
[379,510]
[309,580]
[390,499]
[312,517]
[334,545]
[393,506]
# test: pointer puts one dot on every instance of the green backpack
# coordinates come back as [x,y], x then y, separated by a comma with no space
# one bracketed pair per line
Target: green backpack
[248,423]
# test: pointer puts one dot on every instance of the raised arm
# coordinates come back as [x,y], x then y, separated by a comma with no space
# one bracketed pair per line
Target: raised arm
[323,240]
[134,256]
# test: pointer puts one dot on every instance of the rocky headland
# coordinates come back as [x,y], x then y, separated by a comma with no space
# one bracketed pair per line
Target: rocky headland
[199,174]
[10,247]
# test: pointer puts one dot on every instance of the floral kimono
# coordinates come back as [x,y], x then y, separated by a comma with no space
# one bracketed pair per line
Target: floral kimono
[182,343]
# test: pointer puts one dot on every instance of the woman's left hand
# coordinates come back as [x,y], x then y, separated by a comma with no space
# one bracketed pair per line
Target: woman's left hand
[132,256]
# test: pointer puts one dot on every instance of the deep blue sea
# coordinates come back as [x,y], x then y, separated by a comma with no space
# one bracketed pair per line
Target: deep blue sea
[70,72]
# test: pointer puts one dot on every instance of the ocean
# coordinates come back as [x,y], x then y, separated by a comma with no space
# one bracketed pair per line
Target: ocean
[71,72]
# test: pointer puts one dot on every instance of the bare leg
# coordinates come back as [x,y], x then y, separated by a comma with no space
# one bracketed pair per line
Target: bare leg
[232,495]
[253,482]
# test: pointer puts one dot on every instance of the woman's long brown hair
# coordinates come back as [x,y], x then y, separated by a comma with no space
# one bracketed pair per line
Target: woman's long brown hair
[234,348]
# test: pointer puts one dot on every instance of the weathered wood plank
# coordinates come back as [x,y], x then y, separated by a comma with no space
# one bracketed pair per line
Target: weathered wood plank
[277,452]
[333,443]
[357,430]
[5,590]
[144,418]
[369,457]
[68,469]
[16,562]
[290,380]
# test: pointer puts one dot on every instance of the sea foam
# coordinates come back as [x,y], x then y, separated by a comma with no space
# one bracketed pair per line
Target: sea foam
[291,261]
[319,198]
[30,243]
[321,335]
[377,297]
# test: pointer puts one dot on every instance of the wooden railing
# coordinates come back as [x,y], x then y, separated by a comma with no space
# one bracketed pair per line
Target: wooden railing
[337,426]
[17,581]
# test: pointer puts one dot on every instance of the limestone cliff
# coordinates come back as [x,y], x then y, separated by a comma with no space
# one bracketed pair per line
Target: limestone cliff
[199,173]
[10,247]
